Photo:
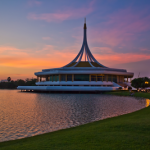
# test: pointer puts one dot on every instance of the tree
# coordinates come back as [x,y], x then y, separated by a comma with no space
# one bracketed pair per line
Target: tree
[140,82]
[14,84]
[9,79]
[136,83]
[31,82]
[146,82]
[21,82]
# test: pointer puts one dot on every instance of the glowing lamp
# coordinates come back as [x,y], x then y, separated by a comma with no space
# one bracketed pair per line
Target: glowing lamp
[146,82]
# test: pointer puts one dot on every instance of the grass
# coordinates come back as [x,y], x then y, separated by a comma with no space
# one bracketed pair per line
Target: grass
[130,131]
[127,93]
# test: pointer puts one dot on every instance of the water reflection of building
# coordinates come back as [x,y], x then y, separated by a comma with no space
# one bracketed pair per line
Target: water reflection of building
[147,102]
[78,75]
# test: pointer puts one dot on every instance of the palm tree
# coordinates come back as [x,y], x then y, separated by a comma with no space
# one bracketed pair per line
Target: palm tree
[9,79]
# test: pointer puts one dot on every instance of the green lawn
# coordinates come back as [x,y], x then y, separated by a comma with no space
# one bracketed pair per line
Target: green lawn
[127,93]
[131,131]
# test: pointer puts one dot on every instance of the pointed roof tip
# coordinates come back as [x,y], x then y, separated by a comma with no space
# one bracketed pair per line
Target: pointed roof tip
[85,23]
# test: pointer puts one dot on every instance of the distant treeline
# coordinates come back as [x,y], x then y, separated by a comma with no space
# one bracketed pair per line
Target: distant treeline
[14,84]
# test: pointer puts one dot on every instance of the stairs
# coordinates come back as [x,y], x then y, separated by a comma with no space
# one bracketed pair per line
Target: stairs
[122,84]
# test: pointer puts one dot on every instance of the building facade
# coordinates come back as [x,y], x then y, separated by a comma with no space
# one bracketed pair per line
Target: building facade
[79,75]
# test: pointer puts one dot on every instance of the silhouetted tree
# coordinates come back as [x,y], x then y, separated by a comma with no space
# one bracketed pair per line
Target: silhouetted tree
[9,79]
[31,82]
[21,82]
[140,82]
[14,84]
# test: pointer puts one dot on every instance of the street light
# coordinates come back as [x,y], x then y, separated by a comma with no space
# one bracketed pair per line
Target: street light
[146,82]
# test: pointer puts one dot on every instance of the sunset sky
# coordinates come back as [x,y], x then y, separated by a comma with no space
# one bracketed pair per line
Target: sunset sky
[42,34]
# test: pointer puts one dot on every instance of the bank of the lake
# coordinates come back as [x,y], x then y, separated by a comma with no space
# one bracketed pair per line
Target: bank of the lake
[127,93]
[130,131]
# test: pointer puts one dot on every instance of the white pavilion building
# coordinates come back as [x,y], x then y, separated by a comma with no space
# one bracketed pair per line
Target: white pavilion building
[88,75]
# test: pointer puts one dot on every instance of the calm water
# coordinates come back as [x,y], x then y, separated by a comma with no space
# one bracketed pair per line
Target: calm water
[26,114]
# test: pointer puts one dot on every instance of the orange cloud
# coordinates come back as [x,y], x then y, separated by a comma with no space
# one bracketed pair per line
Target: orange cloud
[48,56]
[12,51]
[55,58]
[116,58]
[23,64]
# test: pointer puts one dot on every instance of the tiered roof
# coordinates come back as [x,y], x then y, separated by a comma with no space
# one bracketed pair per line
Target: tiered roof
[90,61]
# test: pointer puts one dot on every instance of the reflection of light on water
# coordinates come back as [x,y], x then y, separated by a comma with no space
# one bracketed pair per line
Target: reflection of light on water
[147,102]
[25,114]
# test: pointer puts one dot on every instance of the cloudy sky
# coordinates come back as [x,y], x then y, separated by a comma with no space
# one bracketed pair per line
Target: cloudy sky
[42,34]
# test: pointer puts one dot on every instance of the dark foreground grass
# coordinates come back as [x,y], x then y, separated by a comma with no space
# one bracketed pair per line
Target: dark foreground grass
[131,131]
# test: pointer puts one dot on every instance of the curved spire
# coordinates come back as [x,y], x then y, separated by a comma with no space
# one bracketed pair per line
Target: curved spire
[85,24]
[88,55]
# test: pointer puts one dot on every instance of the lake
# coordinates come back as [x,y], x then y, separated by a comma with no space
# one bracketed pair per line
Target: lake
[24,114]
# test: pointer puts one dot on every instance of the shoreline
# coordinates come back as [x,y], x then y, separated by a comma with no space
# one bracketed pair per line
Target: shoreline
[90,135]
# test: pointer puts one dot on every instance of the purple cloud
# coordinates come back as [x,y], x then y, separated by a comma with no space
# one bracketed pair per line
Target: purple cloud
[122,27]
[59,16]
[34,3]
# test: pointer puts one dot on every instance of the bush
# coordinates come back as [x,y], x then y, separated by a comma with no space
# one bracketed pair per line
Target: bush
[120,88]
[14,84]
[129,88]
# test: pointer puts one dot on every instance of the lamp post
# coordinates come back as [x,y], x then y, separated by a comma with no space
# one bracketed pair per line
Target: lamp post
[146,83]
